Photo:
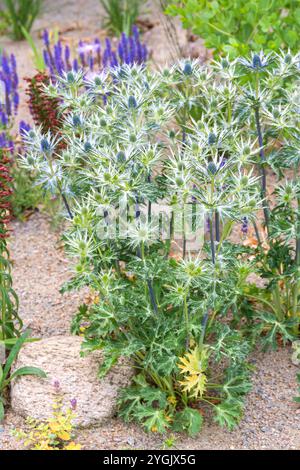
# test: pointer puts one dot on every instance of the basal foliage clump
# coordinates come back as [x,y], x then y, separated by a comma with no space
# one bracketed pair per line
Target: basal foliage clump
[195,138]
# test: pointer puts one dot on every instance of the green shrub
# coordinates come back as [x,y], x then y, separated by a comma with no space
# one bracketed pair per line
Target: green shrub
[237,27]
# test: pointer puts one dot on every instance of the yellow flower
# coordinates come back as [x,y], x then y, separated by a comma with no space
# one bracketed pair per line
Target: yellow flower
[82,329]
[168,418]
[154,429]
[43,445]
[51,433]
[172,400]
[54,426]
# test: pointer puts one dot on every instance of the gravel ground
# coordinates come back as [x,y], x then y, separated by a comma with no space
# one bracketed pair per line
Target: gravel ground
[271,421]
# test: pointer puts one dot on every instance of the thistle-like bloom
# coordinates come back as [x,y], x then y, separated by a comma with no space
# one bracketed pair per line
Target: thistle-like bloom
[142,233]
[184,70]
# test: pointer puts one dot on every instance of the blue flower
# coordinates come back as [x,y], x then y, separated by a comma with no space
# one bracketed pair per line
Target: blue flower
[45,145]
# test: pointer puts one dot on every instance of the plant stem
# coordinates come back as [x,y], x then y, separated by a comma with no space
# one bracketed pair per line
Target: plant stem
[213,257]
[183,229]
[186,318]
[256,232]
[212,242]
[149,202]
[217,225]
[66,204]
[140,254]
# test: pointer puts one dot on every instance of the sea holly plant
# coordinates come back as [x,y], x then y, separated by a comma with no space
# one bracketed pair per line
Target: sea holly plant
[257,98]
[202,141]
[163,292]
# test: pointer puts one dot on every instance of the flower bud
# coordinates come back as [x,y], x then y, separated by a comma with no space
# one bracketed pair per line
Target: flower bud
[121,157]
[211,168]
[256,62]
[70,77]
[87,147]
[187,70]
[132,102]
[212,138]
[45,145]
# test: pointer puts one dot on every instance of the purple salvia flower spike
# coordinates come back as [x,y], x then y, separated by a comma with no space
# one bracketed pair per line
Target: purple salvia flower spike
[114,60]
[75,65]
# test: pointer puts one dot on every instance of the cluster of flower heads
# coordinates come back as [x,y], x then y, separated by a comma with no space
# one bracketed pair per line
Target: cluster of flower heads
[123,130]
[211,146]
[60,58]
[9,96]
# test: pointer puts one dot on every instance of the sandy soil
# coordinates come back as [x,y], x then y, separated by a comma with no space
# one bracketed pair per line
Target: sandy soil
[271,421]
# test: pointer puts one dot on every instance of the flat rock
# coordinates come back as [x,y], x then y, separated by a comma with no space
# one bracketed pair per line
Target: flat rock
[59,357]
